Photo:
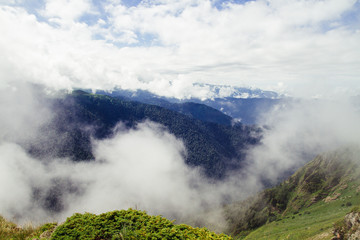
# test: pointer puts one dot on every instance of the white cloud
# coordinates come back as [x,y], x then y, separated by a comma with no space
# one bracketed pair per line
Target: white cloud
[66,10]
[260,42]
[310,13]
[143,168]
[296,134]
[18,104]
[310,46]
[139,168]
[16,187]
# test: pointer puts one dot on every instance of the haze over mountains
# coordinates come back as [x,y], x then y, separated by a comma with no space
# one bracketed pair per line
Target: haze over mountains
[89,152]
[174,107]
[78,134]
[209,137]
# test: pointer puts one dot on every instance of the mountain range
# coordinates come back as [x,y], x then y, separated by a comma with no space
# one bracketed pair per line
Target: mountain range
[243,105]
[211,140]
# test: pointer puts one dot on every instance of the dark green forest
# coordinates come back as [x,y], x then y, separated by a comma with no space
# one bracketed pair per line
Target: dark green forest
[216,148]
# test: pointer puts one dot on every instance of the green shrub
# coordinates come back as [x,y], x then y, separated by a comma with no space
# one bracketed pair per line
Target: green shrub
[47,227]
[128,224]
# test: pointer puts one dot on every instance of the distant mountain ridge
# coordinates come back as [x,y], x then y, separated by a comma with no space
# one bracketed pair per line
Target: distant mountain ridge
[241,104]
[225,91]
[214,91]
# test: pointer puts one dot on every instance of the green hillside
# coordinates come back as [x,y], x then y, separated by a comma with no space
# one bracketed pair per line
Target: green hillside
[305,206]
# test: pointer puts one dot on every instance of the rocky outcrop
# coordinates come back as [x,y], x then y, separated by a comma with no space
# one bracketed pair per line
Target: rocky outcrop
[332,197]
[349,228]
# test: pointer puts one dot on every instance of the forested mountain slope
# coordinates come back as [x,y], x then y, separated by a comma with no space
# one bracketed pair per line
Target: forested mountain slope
[79,116]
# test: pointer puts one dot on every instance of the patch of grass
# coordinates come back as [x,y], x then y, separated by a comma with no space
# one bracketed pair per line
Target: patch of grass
[11,231]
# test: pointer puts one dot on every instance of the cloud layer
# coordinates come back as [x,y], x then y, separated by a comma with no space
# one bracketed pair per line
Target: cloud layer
[140,168]
[305,48]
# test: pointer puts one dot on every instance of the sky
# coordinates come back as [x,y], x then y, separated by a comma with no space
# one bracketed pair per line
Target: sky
[302,48]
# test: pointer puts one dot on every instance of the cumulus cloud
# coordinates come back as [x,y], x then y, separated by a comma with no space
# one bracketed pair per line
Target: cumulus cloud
[65,10]
[310,46]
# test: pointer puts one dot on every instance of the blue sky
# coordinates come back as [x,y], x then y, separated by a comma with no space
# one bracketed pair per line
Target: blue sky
[299,47]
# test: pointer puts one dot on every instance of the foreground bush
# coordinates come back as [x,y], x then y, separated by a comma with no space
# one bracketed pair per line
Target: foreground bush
[128,224]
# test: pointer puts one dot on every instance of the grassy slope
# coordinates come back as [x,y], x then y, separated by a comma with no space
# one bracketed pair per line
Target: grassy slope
[306,218]
[314,222]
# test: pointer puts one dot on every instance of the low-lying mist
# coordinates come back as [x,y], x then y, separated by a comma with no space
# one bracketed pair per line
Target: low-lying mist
[300,130]
[144,167]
